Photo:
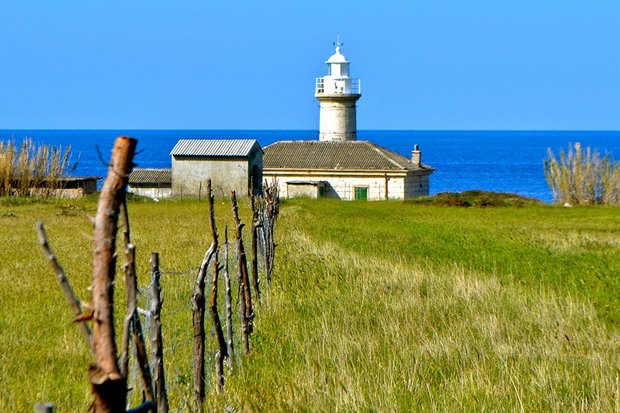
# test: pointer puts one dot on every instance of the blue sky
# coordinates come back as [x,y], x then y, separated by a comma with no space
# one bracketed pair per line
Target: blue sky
[444,64]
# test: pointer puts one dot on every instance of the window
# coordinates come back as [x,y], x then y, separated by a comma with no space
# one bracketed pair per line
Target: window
[361,193]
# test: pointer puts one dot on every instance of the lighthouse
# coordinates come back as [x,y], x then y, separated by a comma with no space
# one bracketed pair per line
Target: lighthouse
[337,93]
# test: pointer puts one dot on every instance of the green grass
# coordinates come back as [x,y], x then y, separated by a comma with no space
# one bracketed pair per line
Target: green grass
[572,250]
[382,306]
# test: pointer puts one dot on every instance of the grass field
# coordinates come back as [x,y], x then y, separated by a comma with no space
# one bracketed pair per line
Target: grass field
[383,306]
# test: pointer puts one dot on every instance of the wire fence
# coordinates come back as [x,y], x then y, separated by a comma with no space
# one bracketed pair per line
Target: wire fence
[177,328]
[183,346]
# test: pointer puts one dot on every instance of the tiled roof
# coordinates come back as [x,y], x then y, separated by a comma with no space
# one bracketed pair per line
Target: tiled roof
[150,176]
[214,147]
[352,155]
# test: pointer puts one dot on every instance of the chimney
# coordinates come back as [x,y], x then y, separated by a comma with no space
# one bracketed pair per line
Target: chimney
[416,156]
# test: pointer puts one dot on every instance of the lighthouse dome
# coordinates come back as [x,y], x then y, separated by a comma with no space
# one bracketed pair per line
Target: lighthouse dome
[337,57]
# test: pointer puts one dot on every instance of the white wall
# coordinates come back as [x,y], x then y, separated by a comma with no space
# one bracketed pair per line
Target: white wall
[151,192]
[399,185]
[304,191]
[190,175]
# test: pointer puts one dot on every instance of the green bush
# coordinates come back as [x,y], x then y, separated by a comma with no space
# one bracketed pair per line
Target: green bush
[476,198]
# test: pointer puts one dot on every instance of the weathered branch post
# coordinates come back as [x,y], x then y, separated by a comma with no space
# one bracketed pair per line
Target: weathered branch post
[256,224]
[63,282]
[198,310]
[133,323]
[157,342]
[228,294]
[219,333]
[269,211]
[131,290]
[247,313]
[108,385]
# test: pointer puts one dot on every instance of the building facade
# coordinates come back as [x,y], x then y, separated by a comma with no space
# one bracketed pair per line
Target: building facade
[66,187]
[354,170]
[231,164]
[151,182]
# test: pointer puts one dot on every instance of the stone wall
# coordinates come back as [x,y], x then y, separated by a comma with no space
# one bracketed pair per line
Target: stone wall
[337,119]
[417,185]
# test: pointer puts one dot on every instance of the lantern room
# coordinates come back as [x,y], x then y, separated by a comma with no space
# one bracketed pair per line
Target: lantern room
[337,79]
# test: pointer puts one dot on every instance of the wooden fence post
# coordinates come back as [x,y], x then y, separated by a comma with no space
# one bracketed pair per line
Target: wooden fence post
[132,319]
[108,385]
[222,353]
[198,310]
[254,231]
[157,344]
[228,294]
[272,210]
[132,294]
[143,360]
[242,271]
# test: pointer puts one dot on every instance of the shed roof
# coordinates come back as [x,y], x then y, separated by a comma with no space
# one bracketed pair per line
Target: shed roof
[150,176]
[77,178]
[214,147]
[351,155]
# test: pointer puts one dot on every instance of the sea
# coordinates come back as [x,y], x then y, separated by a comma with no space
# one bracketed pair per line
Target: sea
[502,161]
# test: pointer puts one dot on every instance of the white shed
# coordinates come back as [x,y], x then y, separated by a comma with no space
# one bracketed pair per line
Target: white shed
[151,182]
[231,164]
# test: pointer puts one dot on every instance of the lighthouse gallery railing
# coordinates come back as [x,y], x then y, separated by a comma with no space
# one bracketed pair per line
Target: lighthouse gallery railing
[338,85]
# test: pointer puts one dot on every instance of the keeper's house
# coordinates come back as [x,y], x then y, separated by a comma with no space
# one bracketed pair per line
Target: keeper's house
[231,164]
[349,170]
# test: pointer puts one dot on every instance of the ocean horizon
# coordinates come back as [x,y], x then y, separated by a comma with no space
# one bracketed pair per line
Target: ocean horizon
[491,160]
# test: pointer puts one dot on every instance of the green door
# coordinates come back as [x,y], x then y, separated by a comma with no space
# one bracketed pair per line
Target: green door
[361,193]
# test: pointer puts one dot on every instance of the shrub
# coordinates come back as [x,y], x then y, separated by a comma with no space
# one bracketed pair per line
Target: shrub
[31,166]
[583,177]
[476,198]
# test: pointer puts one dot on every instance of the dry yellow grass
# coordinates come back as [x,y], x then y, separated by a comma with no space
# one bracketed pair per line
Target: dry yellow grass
[375,334]
[29,166]
[582,177]
[374,307]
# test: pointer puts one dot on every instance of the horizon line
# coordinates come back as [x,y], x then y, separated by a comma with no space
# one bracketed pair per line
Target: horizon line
[307,130]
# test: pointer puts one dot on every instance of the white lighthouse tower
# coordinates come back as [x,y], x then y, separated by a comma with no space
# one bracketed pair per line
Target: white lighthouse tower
[337,93]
